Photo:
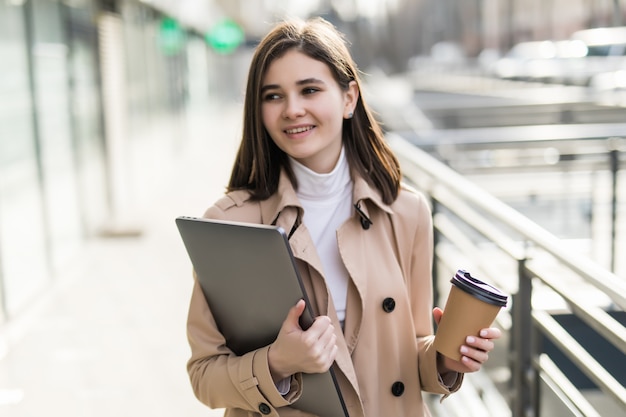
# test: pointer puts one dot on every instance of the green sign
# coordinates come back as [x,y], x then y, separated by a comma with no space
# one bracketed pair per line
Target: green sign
[225,36]
[171,36]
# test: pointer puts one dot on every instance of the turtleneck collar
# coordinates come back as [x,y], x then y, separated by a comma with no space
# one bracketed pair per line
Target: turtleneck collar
[316,186]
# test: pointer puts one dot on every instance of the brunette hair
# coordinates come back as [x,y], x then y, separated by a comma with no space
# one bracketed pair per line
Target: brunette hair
[259,161]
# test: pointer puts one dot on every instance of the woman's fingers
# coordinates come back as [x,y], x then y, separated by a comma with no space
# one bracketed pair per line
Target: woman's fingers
[437,314]
[476,350]
[477,355]
[491,333]
[479,343]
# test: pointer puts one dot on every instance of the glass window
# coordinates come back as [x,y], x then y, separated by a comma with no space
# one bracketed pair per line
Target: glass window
[22,227]
[86,113]
[50,64]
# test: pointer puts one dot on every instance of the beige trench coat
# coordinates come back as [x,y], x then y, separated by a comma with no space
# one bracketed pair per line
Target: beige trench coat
[380,347]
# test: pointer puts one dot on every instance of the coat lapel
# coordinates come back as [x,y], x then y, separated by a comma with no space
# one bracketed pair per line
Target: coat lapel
[351,239]
[351,249]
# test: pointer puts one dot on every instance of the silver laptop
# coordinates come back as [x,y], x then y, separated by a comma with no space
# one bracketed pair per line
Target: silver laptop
[249,278]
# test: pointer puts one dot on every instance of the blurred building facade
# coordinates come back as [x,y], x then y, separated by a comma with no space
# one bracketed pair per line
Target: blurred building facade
[412,27]
[82,78]
[79,79]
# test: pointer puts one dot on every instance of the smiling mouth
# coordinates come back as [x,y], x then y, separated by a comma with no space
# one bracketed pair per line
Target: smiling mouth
[298,130]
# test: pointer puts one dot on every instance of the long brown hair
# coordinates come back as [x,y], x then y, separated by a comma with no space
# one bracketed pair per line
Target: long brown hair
[259,161]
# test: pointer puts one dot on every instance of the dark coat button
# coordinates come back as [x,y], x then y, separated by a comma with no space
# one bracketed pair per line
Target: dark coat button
[389,304]
[365,223]
[265,409]
[397,388]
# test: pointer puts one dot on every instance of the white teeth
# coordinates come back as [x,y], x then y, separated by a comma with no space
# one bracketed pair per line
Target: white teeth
[298,130]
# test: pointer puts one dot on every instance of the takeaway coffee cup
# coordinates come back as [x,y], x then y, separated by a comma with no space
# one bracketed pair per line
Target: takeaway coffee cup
[472,305]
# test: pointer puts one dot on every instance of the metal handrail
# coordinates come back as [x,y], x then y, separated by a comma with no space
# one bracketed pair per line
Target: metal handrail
[559,383]
[440,175]
[479,209]
[575,352]
[594,316]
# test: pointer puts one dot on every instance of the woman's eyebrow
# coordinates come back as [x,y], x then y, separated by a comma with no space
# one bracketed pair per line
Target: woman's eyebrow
[310,81]
[305,81]
[269,87]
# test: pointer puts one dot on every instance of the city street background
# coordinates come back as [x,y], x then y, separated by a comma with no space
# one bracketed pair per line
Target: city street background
[107,337]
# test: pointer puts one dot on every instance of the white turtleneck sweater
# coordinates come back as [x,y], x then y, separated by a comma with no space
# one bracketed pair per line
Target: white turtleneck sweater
[327,203]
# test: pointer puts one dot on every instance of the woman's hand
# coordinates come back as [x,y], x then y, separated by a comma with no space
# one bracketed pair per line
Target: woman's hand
[475,351]
[296,350]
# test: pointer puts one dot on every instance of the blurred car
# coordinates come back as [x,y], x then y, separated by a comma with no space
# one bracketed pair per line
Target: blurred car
[606,54]
[545,61]
[444,56]
[607,41]
[580,60]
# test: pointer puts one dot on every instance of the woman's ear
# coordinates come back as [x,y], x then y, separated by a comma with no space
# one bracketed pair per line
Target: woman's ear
[352,96]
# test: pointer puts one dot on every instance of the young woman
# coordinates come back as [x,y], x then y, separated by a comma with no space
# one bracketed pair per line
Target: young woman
[314,161]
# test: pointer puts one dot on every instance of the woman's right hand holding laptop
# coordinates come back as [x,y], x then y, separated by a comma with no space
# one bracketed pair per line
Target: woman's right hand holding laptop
[297,350]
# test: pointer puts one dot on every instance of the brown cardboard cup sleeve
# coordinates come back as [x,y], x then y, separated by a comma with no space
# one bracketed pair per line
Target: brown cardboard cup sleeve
[472,305]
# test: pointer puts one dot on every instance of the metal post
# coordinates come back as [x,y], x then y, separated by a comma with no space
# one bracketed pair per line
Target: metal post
[522,371]
[614,166]
[533,376]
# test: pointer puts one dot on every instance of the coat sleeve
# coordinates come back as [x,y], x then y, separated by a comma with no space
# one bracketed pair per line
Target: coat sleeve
[419,284]
[221,379]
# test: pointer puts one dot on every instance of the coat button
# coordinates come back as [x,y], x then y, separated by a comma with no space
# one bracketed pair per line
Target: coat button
[365,223]
[265,409]
[389,304]
[397,388]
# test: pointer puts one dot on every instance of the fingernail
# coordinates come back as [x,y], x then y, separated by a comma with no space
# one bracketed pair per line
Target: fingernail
[464,349]
[470,339]
[483,333]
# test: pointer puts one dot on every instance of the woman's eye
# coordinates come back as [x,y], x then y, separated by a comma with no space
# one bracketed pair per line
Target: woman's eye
[310,90]
[271,96]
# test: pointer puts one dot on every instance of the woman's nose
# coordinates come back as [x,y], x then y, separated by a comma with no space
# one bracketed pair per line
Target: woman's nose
[293,108]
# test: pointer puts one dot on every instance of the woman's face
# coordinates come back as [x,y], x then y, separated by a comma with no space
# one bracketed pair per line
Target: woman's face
[303,109]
